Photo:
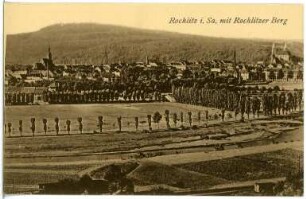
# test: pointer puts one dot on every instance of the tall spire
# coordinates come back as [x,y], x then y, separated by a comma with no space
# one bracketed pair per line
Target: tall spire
[49,62]
[49,53]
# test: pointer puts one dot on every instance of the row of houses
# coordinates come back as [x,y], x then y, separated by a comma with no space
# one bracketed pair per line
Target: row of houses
[281,67]
[106,74]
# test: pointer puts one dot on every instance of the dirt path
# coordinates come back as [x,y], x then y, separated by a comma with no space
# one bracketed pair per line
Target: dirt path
[214,155]
[246,183]
[179,158]
[41,171]
[63,163]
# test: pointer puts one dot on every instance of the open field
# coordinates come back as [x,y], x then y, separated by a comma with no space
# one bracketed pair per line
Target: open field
[168,174]
[34,178]
[129,144]
[251,167]
[33,160]
[277,163]
[90,113]
[152,173]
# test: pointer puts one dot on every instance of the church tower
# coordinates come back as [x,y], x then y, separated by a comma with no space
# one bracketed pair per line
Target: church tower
[49,61]
[50,54]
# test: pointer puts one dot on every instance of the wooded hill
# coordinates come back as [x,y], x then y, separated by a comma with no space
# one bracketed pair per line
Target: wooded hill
[95,44]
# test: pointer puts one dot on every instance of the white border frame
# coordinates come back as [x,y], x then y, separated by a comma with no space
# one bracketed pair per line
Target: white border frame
[122,1]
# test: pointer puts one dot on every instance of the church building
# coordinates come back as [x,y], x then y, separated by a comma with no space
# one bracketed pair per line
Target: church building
[45,67]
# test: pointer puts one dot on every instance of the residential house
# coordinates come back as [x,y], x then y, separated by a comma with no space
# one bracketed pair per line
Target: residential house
[245,75]
[178,65]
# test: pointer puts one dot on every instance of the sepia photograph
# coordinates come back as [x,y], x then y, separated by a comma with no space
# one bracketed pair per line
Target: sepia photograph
[153,99]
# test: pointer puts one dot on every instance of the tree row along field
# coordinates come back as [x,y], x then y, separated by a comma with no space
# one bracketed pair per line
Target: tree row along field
[127,145]
[109,144]
[72,119]
[110,113]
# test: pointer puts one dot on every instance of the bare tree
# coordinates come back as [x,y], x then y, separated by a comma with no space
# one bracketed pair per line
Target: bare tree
[182,119]
[175,119]
[167,118]
[149,121]
[136,123]
[33,126]
[68,122]
[119,123]
[56,125]
[9,125]
[190,118]
[45,125]
[100,121]
[20,127]
[80,125]
[156,118]
[199,117]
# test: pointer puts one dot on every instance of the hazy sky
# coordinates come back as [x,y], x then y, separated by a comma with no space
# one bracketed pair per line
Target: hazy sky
[19,18]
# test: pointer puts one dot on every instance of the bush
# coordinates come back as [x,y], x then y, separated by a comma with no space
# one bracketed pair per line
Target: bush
[194,127]
[229,115]
[183,127]
[145,131]
[157,117]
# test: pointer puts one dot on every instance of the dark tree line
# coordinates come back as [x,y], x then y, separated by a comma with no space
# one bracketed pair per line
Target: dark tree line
[216,93]
[90,96]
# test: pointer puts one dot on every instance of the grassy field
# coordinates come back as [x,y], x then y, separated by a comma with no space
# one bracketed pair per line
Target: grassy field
[251,167]
[30,178]
[152,173]
[33,160]
[125,168]
[80,147]
[90,114]
[191,176]
[58,152]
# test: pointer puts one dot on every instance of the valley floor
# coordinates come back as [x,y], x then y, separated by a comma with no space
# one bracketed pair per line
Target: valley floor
[178,160]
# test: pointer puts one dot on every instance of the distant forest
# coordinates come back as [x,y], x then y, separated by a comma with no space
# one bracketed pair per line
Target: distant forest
[87,43]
